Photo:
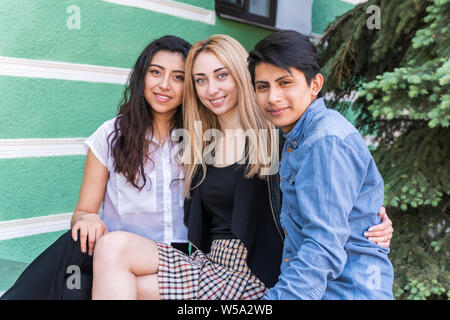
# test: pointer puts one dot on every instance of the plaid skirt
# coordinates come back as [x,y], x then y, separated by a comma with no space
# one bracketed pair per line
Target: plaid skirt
[222,274]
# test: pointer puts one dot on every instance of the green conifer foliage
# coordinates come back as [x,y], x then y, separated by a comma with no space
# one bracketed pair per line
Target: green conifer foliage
[401,74]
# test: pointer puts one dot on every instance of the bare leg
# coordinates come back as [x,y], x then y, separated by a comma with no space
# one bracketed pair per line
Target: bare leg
[120,258]
[147,287]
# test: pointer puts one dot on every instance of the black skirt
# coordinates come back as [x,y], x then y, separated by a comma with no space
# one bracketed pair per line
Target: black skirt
[61,272]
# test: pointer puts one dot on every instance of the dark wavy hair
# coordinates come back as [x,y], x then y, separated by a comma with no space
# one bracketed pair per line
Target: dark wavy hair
[135,116]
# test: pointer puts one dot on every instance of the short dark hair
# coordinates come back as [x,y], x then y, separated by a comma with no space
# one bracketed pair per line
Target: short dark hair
[286,49]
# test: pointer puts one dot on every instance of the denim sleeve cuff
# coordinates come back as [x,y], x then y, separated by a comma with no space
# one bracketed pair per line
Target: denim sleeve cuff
[276,294]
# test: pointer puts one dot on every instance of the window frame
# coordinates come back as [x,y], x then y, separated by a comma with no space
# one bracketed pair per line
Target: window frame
[241,13]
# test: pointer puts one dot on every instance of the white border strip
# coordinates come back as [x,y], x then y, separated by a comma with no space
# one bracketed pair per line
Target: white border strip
[172,8]
[25,148]
[20,67]
[355,2]
[19,228]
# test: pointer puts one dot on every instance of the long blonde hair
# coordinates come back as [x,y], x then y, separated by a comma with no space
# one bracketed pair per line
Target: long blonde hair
[233,55]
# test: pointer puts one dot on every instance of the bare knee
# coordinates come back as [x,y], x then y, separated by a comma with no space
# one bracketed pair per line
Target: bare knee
[110,248]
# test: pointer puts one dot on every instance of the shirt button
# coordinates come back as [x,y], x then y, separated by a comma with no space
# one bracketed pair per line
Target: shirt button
[290,149]
[295,143]
[285,232]
[286,260]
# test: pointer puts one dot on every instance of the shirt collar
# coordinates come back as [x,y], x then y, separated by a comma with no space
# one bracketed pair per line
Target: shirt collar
[173,134]
[314,108]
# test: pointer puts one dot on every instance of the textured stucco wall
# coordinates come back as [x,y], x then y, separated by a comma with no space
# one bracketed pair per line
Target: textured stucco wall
[109,34]
[325,11]
[33,187]
[49,108]
[26,249]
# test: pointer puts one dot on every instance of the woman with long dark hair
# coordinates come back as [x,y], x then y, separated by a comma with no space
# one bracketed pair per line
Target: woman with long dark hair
[129,167]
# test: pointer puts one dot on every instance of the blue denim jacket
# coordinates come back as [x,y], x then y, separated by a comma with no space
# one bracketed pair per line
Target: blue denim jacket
[332,192]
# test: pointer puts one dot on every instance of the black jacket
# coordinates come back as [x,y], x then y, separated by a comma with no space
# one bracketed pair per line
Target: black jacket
[255,221]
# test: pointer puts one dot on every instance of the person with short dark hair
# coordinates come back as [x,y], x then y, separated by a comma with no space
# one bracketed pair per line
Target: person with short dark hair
[331,186]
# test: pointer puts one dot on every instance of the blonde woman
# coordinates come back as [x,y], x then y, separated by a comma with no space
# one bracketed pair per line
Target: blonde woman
[232,196]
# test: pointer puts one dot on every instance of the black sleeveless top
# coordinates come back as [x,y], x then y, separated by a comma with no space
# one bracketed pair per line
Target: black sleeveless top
[217,194]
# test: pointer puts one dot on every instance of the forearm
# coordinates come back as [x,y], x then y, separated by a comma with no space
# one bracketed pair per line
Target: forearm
[92,190]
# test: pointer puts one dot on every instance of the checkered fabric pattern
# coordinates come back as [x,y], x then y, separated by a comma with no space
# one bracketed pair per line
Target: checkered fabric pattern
[222,274]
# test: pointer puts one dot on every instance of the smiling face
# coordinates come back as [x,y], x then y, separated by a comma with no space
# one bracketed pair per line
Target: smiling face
[282,96]
[164,82]
[215,86]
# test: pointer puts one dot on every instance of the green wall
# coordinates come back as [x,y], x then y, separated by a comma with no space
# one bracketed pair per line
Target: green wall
[26,249]
[109,34]
[325,11]
[33,187]
[50,108]
[200,3]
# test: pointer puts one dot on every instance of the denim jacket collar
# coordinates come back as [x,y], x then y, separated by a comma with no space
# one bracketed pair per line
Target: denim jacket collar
[314,108]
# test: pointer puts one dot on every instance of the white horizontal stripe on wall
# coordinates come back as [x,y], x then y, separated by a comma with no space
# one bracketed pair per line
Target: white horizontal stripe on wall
[25,148]
[28,148]
[172,8]
[29,68]
[355,2]
[19,228]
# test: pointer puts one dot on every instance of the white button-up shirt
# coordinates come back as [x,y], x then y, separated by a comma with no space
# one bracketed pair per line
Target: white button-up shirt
[155,212]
